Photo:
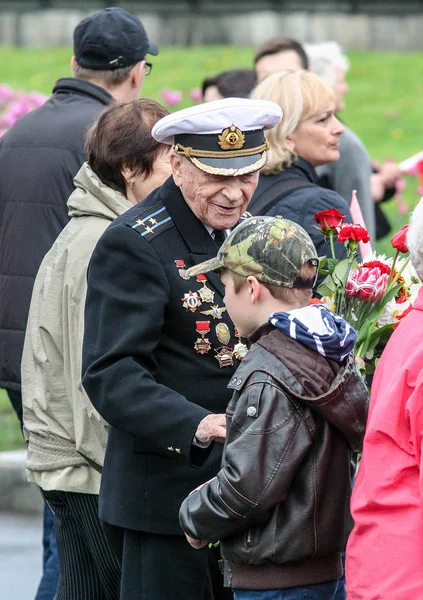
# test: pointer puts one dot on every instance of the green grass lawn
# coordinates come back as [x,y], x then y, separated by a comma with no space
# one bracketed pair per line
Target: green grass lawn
[384,107]
[10,432]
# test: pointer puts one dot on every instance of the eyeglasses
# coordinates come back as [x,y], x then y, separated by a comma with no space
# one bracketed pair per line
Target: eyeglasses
[147,68]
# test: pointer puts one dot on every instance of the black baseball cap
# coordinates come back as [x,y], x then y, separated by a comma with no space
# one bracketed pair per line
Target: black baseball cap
[111,39]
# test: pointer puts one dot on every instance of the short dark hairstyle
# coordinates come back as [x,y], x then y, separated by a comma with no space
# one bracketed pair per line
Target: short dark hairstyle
[235,83]
[110,78]
[282,44]
[122,136]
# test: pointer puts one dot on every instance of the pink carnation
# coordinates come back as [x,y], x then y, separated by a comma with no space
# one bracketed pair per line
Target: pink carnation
[367,284]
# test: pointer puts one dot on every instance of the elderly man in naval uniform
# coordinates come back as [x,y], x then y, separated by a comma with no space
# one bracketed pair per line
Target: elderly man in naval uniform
[160,349]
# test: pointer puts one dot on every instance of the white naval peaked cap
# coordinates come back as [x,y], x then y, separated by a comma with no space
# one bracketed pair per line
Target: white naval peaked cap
[223,137]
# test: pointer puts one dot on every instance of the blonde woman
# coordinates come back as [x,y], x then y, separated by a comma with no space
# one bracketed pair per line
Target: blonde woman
[308,136]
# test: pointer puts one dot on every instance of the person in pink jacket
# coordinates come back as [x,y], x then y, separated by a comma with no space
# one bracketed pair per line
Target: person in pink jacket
[384,558]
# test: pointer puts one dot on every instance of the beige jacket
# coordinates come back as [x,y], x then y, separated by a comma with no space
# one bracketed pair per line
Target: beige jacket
[66,437]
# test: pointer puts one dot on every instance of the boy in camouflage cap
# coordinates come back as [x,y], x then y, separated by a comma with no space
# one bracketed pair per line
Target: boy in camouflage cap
[280,503]
[272,249]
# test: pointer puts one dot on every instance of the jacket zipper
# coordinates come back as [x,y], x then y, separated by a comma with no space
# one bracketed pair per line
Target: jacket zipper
[249,540]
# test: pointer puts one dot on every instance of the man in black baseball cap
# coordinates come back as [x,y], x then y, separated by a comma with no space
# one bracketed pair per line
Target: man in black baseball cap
[110,47]
[111,39]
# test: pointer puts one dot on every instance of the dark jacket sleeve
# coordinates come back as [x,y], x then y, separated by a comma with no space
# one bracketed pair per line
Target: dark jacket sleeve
[125,309]
[248,486]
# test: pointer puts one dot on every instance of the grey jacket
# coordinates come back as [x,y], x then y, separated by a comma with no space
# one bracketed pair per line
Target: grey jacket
[280,503]
[61,426]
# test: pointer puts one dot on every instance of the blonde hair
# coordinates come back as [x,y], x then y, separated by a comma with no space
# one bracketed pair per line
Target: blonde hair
[301,95]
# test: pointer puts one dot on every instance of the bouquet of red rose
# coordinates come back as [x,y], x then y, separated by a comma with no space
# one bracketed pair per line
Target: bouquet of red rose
[373,295]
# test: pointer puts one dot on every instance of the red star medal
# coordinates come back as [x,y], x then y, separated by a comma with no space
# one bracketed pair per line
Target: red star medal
[191,301]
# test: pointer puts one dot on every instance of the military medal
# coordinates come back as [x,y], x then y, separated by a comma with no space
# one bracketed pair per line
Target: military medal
[191,301]
[215,311]
[205,293]
[222,333]
[180,265]
[202,344]
[224,357]
[240,349]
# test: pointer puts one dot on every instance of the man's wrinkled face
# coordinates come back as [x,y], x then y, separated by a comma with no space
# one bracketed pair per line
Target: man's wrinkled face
[217,200]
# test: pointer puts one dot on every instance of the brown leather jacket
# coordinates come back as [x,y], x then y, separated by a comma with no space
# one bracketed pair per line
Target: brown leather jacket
[280,503]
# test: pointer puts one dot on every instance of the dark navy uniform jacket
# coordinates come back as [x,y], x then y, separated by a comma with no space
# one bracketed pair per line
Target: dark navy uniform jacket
[140,368]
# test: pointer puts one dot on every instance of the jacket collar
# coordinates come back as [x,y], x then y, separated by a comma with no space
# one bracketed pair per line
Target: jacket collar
[259,359]
[200,243]
[299,167]
[303,168]
[82,86]
[92,197]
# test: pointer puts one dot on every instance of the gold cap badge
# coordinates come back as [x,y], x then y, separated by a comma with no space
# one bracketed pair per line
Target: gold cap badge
[231,138]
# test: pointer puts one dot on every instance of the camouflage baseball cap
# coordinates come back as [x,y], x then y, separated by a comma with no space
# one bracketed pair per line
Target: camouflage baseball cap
[272,249]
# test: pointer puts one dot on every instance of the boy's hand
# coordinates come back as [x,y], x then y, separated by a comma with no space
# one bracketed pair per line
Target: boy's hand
[196,544]
[212,429]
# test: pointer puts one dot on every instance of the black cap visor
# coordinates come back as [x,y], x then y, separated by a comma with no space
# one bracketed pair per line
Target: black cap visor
[152,48]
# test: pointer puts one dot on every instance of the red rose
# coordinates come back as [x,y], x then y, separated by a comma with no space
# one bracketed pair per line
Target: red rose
[371,264]
[329,219]
[353,232]
[399,240]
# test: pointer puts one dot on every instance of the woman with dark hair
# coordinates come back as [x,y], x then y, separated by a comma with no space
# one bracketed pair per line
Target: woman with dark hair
[66,437]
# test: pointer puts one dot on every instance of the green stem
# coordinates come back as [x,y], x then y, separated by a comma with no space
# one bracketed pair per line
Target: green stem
[392,268]
[332,245]
[340,295]
[398,275]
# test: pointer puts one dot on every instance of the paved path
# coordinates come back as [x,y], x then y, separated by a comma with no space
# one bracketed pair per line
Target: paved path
[20,555]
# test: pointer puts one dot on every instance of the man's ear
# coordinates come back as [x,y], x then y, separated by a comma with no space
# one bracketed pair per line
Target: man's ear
[72,63]
[137,75]
[177,168]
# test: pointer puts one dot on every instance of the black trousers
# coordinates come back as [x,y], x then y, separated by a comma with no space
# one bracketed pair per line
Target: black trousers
[165,567]
[89,569]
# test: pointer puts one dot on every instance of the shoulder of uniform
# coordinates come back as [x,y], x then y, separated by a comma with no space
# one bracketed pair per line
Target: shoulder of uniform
[151,221]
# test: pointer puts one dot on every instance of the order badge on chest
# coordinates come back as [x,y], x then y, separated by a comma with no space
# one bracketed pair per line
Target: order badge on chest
[204,297]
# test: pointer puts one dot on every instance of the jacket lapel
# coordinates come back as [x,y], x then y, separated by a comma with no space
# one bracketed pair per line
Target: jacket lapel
[200,243]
